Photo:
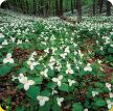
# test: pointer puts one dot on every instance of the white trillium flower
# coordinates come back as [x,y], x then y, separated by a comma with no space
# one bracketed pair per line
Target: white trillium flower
[67,50]
[19,42]
[42,100]
[34,54]
[24,80]
[86,109]
[63,55]
[13,39]
[5,42]
[44,73]
[88,68]
[111,95]
[1,46]
[71,82]
[59,101]
[94,93]
[58,80]
[110,104]
[108,85]
[54,92]
[69,70]
[32,64]
[8,59]
[52,60]
[1,35]
[46,50]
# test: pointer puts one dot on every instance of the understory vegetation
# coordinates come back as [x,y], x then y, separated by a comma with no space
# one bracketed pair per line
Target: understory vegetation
[55,65]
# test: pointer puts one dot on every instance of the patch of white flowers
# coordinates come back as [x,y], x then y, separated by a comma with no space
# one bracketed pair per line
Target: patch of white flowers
[59,101]
[69,69]
[8,59]
[88,68]
[58,80]
[108,85]
[24,80]
[94,93]
[31,61]
[42,100]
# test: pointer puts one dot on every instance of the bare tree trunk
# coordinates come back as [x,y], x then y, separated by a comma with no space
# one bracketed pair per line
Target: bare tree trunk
[72,10]
[94,7]
[59,7]
[108,6]
[57,10]
[79,10]
[100,3]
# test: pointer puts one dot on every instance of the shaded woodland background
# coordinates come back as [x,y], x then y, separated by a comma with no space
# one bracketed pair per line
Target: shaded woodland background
[45,8]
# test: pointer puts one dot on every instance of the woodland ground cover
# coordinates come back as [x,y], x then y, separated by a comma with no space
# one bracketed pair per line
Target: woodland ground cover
[51,64]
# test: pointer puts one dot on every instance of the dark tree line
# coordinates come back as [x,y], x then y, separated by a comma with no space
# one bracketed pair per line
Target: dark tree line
[56,7]
[101,4]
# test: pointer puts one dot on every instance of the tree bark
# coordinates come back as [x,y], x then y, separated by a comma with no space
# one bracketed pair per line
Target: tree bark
[79,10]
[108,6]
[94,6]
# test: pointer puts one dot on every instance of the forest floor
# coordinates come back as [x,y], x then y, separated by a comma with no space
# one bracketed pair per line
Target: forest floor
[56,65]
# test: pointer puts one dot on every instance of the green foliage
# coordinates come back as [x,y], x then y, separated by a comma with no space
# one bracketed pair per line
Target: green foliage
[77,107]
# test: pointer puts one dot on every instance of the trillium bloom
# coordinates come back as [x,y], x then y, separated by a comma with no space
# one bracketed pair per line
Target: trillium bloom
[1,46]
[110,104]
[69,70]
[94,93]
[32,64]
[58,80]
[63,55]
[5,42]
[1,35]
[108,86]
[42,100]
[52,60]
[59,101]
[24,80]
[71,82]
[86,109]
[8,59]
[13,39]
[44,73]
[67,50]
[54,92]
[88,68]
[111,95]
[19,42]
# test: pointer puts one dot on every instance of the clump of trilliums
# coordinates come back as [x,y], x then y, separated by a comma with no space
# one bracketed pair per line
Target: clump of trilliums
[54,75]
[8,59]
[31,61]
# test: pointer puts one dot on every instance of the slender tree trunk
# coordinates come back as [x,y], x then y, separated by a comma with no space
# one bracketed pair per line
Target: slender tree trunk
[60,7]
[94,7]
[72,6]
[79,10]
[100,3]
[34,7]
[57,10]
[108,6]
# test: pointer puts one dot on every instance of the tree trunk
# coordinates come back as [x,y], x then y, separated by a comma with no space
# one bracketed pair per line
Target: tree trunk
[72,6]
[60,7]
[79,10]
[100,3]
[108,6]
[94,6]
